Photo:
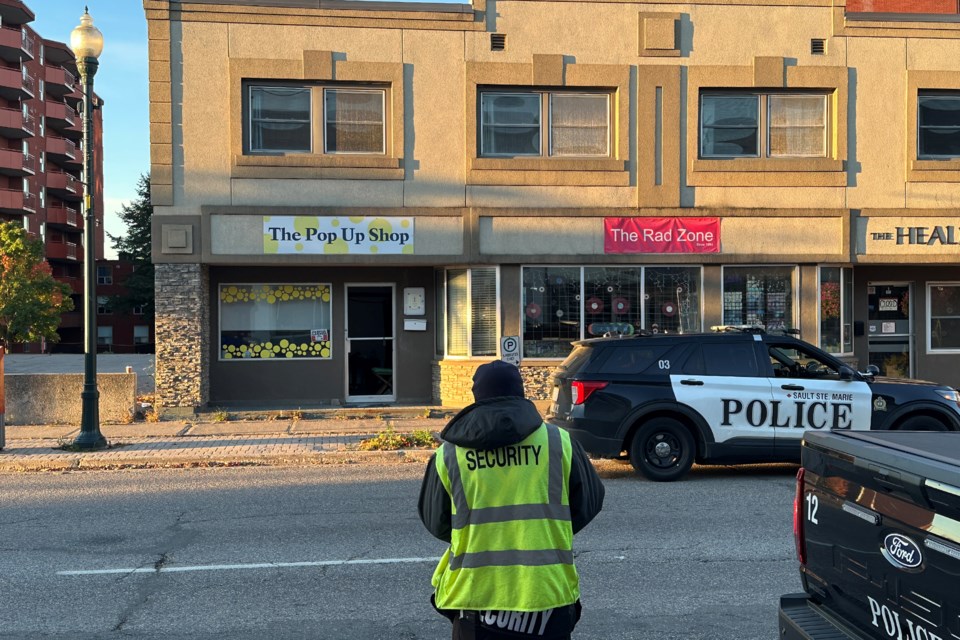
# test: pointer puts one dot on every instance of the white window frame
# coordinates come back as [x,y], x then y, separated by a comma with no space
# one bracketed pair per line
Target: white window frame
[107,277]
[318,101]
[103,302]
[383,113]
[844,321]
[545,98]
[469,313]
[105,340]
[763,124]
[141,339]
[248,99]
[931,350]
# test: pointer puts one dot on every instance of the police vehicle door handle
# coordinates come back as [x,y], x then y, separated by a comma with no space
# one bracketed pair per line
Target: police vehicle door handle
[693,383]
[791,387]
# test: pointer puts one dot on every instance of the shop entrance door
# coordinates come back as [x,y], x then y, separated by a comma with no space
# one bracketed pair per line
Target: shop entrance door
[890,328]
[370,343]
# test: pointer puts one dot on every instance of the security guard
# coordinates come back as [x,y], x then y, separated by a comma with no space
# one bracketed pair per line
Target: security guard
[507,492]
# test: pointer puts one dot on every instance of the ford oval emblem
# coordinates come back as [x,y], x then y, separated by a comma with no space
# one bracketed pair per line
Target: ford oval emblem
[902,552]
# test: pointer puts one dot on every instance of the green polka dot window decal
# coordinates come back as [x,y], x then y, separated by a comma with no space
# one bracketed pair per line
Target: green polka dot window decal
[362,235]
[270,321]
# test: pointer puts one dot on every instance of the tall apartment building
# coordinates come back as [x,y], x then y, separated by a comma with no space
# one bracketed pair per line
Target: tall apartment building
[41,161]
[356,201]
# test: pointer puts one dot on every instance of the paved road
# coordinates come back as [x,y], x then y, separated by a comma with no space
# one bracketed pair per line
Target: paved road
[212,553]
[143,365]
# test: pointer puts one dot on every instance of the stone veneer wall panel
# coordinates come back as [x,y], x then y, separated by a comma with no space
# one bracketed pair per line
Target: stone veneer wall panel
[183,329]
[453,381]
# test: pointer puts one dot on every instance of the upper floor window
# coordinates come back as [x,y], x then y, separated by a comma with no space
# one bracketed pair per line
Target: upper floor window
[287,119]
[544,123]
[104,275]
[938,122]
[753,125]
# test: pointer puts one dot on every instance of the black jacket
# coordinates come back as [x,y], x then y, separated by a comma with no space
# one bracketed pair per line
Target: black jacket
[494,423]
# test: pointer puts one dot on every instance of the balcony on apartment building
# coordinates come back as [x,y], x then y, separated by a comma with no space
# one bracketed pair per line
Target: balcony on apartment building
[76,284]
[59,81]
[63,250]
[18,123]
[59,215]
[64,186]
[15,162]
[16,84]
[16,44]
[71,320]
[62,117]
[16,202]
[64,152]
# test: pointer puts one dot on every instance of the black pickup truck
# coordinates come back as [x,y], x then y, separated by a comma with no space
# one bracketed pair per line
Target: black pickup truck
[877,527]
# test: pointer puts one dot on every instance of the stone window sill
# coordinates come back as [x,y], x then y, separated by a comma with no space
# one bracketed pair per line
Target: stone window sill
[352,167]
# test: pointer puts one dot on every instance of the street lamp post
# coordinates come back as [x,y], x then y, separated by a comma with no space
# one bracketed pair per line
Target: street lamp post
[86,41]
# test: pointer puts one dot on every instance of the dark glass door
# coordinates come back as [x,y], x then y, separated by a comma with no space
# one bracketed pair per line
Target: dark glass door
[370,343]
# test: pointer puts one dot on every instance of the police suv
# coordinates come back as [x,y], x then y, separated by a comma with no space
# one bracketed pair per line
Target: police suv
[737,395]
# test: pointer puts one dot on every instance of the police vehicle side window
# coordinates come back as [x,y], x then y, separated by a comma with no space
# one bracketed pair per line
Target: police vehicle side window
[730,359]
[634,359]
[793,361]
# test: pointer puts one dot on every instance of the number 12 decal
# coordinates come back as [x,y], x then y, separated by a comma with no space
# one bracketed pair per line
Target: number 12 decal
[812,504]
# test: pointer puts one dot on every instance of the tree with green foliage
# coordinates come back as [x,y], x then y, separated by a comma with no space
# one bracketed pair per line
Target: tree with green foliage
[31,301]
[135,247]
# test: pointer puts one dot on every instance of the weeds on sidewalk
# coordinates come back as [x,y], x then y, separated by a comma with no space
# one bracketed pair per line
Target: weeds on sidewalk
[390,440]
[220,415]
[63,444]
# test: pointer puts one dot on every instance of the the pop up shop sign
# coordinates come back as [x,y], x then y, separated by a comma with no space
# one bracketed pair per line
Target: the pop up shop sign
[661,235]
[337,235]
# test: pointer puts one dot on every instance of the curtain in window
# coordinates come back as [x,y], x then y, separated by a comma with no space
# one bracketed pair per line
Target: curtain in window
[458,312]
[579,125]
[939,122]
[798,126]
[280,119]
[729,125]
[354,121]
[510,124]
[483,311]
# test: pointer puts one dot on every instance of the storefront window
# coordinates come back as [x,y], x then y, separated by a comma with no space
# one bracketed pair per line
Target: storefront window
[672,299]
[758,297]
[551,311]
[471,312]
[944,313]
[275,321]
[836,304]
[612,300]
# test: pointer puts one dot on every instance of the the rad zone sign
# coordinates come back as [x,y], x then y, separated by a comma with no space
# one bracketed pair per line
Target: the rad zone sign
[661,235]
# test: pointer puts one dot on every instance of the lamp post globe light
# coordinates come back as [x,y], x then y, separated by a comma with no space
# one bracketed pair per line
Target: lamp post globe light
[86,41]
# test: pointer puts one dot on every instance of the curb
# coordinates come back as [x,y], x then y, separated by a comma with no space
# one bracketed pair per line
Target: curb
[89,462]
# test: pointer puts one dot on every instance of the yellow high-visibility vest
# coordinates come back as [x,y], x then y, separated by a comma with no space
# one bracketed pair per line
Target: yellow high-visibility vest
[511,544]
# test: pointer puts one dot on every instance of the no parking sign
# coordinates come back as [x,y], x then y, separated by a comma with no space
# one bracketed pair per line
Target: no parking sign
[510,349]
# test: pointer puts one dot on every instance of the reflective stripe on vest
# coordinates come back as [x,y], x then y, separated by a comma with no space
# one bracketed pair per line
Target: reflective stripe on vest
[554,510]
[511,543]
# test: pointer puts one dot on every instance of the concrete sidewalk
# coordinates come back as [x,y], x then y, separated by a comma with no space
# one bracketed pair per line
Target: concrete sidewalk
[246,438]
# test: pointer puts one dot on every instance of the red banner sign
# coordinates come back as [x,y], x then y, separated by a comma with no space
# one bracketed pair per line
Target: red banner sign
[661,235]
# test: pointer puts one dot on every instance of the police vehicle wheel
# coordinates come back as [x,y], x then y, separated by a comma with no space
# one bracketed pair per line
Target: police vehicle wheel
[662,450]
[922,423]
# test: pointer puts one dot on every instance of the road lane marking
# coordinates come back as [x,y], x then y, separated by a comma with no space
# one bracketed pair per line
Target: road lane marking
[236,567]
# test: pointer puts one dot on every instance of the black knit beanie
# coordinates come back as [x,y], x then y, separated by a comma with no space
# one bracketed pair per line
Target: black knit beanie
[496,379]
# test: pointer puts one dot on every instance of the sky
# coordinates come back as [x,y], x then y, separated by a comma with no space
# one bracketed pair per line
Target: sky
[121,81]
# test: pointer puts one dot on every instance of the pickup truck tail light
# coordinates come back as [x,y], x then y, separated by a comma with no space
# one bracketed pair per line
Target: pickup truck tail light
[580,390]
[798,520]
